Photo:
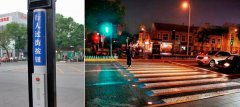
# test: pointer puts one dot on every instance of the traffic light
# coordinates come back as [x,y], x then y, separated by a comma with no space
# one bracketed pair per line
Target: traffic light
[95,38]
[231,41]
[173,34]
[106,29]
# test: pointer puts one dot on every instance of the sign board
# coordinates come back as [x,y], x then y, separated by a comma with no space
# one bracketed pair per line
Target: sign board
[39,41]
[5,20]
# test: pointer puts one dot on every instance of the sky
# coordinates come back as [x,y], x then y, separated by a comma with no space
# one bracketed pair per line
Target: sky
[69,8]
[216,12]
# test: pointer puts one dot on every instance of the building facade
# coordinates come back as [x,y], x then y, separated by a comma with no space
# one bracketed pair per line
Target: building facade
[16,17]
[162,34]
[219,38]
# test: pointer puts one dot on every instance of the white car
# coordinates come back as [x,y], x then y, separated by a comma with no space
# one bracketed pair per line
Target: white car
[212,58]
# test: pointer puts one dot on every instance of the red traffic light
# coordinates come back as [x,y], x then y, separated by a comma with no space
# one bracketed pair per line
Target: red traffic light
[95,38]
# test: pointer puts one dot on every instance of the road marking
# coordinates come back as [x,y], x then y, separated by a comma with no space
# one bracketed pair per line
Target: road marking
[167,74]
[60,70]
[16,70]
[179,83]
[187,89]
[149,68]
[188,98]
[176,78]
[77,69]
[161,71]
[96,64]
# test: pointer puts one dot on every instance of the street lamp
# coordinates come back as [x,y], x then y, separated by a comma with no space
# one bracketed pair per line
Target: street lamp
[186,5]
[235,29]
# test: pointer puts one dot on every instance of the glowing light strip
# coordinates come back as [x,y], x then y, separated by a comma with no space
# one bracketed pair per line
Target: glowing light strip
[191,89]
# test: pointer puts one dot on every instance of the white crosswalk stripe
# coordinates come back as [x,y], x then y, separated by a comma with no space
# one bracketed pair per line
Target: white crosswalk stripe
[175,84]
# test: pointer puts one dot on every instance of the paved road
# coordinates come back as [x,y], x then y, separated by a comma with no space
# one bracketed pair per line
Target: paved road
[164,84]
[14,86]
[106,87]
[156,83]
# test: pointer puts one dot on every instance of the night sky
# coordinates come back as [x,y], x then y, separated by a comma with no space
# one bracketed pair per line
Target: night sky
[216,12]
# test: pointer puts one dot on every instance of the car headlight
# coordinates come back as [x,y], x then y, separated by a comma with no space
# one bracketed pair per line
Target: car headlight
[226,64]
[205,57]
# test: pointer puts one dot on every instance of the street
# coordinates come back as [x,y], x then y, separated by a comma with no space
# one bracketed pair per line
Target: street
[158,83]
[106,87]
[14,84]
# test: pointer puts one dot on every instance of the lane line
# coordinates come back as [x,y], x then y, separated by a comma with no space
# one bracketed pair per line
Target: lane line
[161,71]
[59,70]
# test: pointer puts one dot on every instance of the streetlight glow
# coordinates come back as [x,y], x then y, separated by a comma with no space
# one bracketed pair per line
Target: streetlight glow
[185,5]
[235,29]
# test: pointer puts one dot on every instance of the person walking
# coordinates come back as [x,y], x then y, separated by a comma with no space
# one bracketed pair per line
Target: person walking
[129,56]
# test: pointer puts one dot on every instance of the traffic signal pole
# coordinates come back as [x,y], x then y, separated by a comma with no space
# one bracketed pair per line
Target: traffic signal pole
[111,45]
[41,53]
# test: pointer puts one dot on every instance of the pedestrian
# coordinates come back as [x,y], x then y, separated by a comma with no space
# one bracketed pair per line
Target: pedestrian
[129,56]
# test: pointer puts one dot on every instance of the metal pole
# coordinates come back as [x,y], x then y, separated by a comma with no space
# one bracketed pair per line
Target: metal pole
[127,42]
[30,58]
[111,45]
[51,60]
[222,42]
[189,21]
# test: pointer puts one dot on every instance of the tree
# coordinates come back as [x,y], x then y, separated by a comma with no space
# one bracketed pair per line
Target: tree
[18,33]
[203,35]
[5,41]
[99,11]
[69,33]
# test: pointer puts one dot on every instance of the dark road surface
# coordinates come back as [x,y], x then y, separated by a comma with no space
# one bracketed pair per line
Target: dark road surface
[149,83]
[106,87]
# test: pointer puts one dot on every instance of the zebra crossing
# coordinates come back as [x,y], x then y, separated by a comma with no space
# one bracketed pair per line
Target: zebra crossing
[164,84]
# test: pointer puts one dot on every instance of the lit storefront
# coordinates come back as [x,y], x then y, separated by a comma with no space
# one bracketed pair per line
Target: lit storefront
[166,47]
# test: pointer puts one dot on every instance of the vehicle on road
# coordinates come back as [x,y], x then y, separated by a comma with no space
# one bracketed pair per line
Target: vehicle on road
[211,58]
[4,59]
[230,64]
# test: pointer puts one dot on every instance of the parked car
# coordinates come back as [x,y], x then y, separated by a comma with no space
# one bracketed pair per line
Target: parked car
[230,64]
[212,58]
[5,59]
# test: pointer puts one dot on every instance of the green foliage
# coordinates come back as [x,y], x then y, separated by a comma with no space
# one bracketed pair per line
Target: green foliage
[98,11]
[69,33]
[4,40]
[18,33]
